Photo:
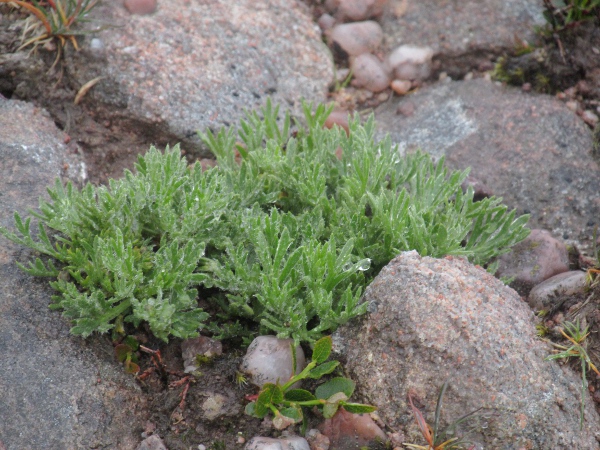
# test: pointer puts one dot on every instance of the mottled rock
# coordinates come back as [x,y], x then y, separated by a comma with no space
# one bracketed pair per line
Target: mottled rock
[355,10]
[203,348]
[551,291]
[463,34]
[347,430]
[432,320]
[153,442]
[140,7]
[535,259]
[529,149]
[283,443]
[356,38]
[326,22]
[409,62]
[57,391]
[269,360]
[197,65]
[369,73]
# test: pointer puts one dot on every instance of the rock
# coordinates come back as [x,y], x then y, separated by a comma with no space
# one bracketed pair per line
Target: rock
[432,320]
[356,38]
[589,117]
[355,10]
[153,442]
[409,62]
[140,7]
[551,291]
[197,65]
[326,22]
[57,391]
[535,259]
[203,347]
[464,35]
[369,73]
[347,430]
[529,149]
[401,87]
[316,440]
[269,360]
[283,443]
[338,117]
[480,190]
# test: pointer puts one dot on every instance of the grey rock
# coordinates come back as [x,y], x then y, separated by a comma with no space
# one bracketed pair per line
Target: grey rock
[56,391]
[535,259]
[550,292]
[529,149]
[462,34]
[433,320]
[197,65]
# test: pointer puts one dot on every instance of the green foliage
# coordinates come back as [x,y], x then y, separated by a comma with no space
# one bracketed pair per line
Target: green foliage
[286,403]
[562,14]
[285,234]
[576,335]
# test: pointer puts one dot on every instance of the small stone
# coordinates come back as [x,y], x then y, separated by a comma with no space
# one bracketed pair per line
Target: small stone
[548,292]
[401,87]
[96,44]
[526,87]
[589,117]
[468,76]
[573,105]
[153,442]
[326,22]
[355,10]
[409,62]
[317,440]
[283,443]
[347,430]
[369,73]
[338,117]
[533,260]
[269,360]
[140,7]
[356,38]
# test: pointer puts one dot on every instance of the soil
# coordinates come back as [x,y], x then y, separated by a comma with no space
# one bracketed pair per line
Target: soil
[110,147]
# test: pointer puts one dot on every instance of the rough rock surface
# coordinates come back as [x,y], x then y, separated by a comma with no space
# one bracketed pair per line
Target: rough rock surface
[462,34]
[56,391]
[196,65]
[432,320]
[530,149]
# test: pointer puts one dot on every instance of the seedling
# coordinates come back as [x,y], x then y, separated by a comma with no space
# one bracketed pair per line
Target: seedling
[281,237]
[126,353]
[286,403]
[576,335]
[437,438]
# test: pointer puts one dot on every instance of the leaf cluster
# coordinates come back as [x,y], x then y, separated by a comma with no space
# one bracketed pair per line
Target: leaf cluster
[286,403]
[282,232]
[576,335]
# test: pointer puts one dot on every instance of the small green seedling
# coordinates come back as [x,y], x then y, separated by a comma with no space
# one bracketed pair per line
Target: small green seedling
[286,403]
[576,335]
[125,353]
[437,438]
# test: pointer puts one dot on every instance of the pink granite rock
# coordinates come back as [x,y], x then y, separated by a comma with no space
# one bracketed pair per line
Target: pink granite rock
[347,430]
[369,73]
[356,38]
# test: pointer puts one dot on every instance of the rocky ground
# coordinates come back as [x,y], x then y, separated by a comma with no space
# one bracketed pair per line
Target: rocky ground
[476,82]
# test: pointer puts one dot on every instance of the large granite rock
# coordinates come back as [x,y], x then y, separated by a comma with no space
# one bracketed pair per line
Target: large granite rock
[56,391]
[529,149]
[196,65]
[432,320]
